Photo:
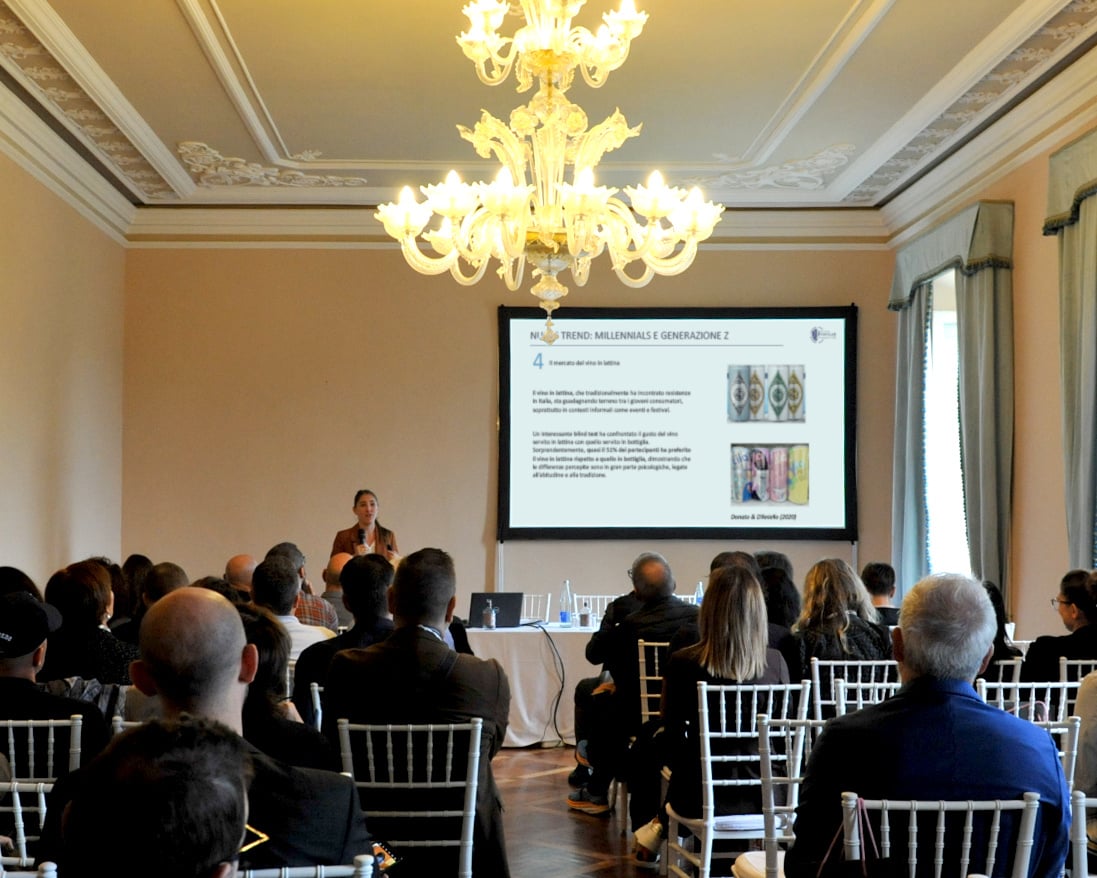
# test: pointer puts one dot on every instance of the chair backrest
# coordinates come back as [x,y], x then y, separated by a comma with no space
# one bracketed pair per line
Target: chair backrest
[26,803]
[291,671]
[849,697]
[119,725]
[362,868]
[784,746]
[651,660]
[317,706]
[825,671]
[1030,700]
[1072,671]
[1080,806]
[597,603]
[1007,670]
[1065,735]
[405,776]
[537,606]
[728,731]
[32,747]
[953,837]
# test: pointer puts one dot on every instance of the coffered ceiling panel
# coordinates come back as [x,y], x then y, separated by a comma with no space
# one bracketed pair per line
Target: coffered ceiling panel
[786,104]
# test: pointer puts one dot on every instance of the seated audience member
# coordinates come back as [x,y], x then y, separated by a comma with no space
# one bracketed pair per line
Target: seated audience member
[177,790]
[780,635]
[271,723]
[782,598]
[769,558]
[194,655]
[879,579]
[365,581]
[275,586]
[732,649]
[838,621]
[224,588]
[83,647]
[413,677]
[333,588]
[934,739]
[134,570]
[311,609]
[13,579]
[1076,607]
[238,572]
[1003,646]
[159,580]
[660,616]
[25,623]
[589,688]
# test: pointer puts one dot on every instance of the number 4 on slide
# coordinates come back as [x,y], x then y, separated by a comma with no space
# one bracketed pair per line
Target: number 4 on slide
[538,362]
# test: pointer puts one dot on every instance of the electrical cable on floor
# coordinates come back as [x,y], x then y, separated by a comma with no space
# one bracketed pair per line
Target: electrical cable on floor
[558,662]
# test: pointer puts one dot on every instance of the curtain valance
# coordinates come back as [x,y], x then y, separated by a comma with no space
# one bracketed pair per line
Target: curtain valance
[981,236]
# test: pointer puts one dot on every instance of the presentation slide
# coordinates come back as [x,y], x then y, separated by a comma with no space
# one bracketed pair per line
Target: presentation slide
[678,423]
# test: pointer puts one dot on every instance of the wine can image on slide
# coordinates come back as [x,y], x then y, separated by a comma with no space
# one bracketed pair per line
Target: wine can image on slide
[796,399]
[757,393]
[741,475]
[738,393]
[778,474]
[798,474]
[777,393]
[759,465]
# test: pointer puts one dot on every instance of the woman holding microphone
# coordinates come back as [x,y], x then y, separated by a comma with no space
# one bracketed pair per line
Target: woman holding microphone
[368,536]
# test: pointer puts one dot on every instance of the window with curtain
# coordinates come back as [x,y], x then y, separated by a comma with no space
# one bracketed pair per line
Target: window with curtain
[946,521]
[973,328]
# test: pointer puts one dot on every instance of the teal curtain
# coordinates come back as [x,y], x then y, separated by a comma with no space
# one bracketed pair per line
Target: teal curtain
[1072,216]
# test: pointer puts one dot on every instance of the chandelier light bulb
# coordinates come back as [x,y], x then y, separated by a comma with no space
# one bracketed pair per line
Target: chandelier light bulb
[551,224]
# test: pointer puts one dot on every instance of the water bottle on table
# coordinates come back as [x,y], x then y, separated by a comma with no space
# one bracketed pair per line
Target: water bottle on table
[565,604]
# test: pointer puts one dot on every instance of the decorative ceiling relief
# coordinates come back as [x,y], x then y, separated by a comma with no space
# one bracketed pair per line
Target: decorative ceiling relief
[1048,45]
[809,173]
[32,65]
[210,168]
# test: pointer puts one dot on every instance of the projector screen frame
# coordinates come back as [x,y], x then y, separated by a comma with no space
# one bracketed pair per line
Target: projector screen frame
[847,531]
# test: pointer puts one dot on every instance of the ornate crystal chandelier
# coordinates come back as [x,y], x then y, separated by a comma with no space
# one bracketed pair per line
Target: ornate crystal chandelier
[532,212]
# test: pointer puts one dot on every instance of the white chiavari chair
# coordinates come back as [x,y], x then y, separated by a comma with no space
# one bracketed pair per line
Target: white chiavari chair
[728,735]
[825,671]
[417,782]
[362,868]
[849,696]
[1030,700]
[952,826]
[536,607]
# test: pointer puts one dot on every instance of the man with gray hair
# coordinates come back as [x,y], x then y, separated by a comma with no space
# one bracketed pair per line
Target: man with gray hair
[935,738]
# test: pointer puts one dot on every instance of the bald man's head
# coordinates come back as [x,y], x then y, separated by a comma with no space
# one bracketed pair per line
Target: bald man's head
[238,571]
[192,643]
[335,566]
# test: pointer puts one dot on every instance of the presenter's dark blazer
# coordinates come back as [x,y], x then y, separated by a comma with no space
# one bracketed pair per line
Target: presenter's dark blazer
[933,739]
[413,677]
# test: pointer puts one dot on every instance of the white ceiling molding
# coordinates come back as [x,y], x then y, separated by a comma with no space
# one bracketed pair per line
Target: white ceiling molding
[39,151]
[859,22]
[66,51]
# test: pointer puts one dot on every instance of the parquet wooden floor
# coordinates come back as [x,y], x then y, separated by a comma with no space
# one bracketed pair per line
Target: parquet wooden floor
[544,838]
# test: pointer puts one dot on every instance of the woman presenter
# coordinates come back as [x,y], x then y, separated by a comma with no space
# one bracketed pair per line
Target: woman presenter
[368,536]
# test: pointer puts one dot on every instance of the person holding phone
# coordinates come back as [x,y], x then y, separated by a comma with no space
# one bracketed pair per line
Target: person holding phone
[368,536]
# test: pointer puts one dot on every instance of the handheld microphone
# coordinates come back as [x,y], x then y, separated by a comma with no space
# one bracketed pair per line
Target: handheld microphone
[362,535]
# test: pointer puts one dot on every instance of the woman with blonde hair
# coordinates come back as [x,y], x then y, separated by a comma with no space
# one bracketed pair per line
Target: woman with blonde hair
[838,620]
[733,649]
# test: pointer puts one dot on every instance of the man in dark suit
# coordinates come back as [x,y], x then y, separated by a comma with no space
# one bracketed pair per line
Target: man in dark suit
[195,657]
[934,739]
[414,677]
[364,582]
[1077,608]
[659,617]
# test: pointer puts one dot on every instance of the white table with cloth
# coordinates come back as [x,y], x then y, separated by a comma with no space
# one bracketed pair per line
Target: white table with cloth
[543,663]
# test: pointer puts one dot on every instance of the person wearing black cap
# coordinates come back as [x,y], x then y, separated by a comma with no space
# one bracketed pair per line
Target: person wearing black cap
[25,623]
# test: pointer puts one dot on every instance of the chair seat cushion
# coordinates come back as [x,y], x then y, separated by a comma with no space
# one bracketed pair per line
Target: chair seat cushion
[740,823]
[752,864]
